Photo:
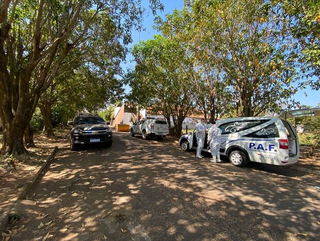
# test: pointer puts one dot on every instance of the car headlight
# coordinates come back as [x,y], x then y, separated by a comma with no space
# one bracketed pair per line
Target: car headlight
[77,131]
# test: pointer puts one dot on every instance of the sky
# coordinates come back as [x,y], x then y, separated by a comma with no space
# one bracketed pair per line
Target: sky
[306,97]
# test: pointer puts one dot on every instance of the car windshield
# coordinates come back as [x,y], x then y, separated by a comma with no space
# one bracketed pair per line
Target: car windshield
[88,120]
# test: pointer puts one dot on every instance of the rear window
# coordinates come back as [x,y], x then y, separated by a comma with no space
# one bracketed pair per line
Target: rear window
[161,122]
[237,126]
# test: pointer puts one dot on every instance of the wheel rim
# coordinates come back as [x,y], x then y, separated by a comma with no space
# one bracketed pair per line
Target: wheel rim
[144,135]
[236,158]
[184,146]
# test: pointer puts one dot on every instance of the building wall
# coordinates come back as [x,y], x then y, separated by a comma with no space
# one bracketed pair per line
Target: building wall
[123,115]
[128,118]
[119,115]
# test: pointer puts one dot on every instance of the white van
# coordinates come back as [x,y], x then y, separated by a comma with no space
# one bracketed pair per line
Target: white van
[267,140]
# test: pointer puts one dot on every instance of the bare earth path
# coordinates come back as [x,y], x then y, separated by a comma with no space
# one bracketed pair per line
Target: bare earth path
[149,190]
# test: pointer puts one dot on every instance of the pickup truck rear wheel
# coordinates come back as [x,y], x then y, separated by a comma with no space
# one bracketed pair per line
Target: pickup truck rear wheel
[144,135]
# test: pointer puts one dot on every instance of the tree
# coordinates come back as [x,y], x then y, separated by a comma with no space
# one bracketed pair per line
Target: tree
[238,53]
[212,97]
[107,114]
[162,79]
[249,51]
[83,87]
[301,20]
[35,39]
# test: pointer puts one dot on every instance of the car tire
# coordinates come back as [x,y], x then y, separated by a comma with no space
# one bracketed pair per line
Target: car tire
[144,135]
[238,158]
[73,147]
[109,144]
[131,132]
[184,145]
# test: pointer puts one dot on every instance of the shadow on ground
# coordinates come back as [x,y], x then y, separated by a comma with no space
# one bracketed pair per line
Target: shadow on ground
[150,190]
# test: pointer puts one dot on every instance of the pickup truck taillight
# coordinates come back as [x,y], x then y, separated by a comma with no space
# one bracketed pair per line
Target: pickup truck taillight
[152,126]
[283,144]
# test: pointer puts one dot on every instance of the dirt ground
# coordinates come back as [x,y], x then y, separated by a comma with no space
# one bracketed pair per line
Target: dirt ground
[149,190]
[13,177]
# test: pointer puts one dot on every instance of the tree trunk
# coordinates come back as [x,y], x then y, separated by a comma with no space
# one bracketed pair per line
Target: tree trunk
[245,103]
[1,127]
[13,138]
[168,120]
[28,137]
[16,115]
[47,114]
[212,110]
[178,125]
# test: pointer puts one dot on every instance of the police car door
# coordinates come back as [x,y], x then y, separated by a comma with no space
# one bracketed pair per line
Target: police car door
[140,127]
[263,143]
[136,127]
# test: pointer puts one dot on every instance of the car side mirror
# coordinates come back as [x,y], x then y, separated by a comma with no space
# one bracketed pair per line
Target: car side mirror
[70,123]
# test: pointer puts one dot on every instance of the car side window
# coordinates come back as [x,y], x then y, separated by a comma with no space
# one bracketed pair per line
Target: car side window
[237,126]
[270,131]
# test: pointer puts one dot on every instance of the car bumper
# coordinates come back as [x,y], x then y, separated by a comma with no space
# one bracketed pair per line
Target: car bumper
[91,139]
[158,133]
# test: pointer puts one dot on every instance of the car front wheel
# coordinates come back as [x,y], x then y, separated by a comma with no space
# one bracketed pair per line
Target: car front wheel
[184,145]
[131,132]
[73,147]
[109,144]
[238,158]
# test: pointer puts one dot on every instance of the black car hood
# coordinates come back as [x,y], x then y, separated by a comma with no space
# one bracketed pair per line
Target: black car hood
[89,127]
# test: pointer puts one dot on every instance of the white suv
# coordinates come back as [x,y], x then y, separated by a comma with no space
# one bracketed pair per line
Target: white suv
[267,140]
[150,127]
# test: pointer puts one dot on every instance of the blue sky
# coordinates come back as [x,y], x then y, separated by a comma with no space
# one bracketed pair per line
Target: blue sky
[306,97]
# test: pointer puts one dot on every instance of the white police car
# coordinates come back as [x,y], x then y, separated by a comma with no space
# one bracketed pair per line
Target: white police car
[267,140]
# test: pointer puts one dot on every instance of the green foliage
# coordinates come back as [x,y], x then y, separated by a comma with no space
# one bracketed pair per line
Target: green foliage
[41,42]
[240,40]
[107,114]
[36,122]
[61,114]
[312,123]
[307,139]
[163,78]
[302,21]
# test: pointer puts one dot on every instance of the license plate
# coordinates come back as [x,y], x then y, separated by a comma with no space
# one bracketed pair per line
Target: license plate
[94,140]
[160,133]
